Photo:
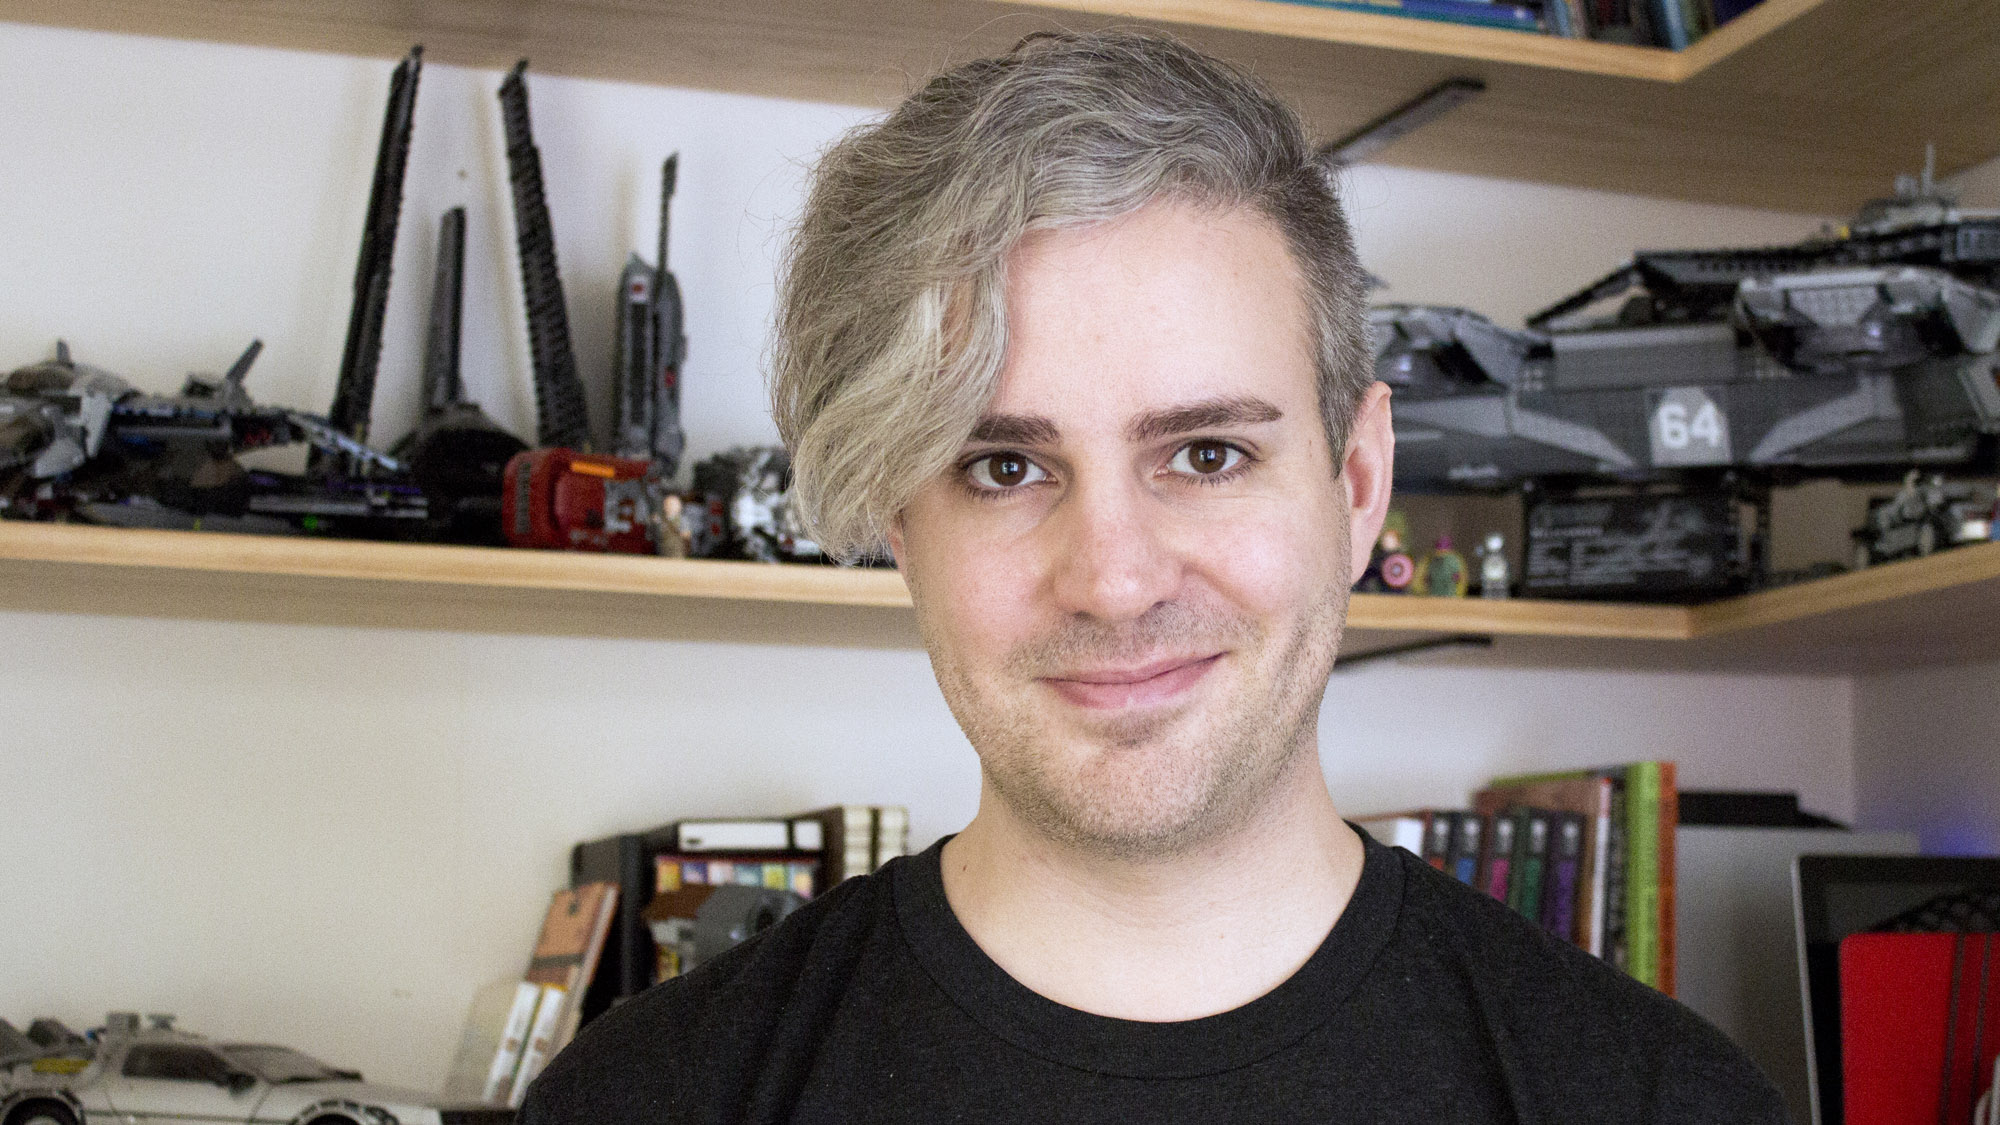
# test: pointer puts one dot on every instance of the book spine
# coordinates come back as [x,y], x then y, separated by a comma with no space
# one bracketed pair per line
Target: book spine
[1560,883]
[1463,863]
[513,1040]
[1561,23]
[1475,12]
[1531,850]
[1642,867]
[1670,24]
[1617,863]
[1437,838]
[1669,806]
[1499,856]
[541,1045]
[1598,924]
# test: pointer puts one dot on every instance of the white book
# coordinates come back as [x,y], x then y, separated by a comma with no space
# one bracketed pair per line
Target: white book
[513,1039]
[732,836]
[1403,831]
[808,835]
[541,1044]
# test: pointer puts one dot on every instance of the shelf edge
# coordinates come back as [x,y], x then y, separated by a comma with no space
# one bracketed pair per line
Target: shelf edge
[451,566]
[1522,617]
[1828,596]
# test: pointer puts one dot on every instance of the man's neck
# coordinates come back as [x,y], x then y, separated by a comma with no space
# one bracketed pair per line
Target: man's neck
[1169,939]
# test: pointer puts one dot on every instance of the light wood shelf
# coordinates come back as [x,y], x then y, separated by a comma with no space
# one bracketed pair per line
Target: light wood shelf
[1803,105]
[1943,609]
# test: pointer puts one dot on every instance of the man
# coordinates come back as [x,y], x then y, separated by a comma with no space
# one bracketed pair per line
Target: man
[1076,333]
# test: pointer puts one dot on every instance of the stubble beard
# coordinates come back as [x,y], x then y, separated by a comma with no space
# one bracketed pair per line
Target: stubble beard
[1155,786]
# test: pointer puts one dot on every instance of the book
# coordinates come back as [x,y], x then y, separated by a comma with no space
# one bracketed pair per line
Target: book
[892,833]
[1437,838]
[1499,856]
[803,834]
[797,872]
[847,840]
[543,1041]
[1646,813]
[1589,797]
[513,1039]
[1670,24]
[1561,885]
[1531,851]
[565,959]
[1479,13]
[1462,860]
[1404,830]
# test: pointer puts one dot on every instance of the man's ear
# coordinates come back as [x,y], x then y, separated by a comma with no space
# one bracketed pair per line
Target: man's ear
[1366,473]
[894,534]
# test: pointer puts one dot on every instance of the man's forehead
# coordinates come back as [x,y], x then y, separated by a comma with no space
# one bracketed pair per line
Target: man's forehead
[1173,318]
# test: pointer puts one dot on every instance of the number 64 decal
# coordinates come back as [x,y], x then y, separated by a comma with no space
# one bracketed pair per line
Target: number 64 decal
[1688,428]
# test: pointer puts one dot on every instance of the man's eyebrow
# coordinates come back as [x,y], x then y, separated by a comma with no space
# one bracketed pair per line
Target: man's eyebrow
[1212,414]
[1015,429]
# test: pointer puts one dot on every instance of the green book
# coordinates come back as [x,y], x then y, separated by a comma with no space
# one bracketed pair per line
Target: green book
[1642,791]
[1531,852]
[1642,871]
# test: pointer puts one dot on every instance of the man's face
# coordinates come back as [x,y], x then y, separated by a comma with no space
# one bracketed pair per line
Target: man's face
[1132,582]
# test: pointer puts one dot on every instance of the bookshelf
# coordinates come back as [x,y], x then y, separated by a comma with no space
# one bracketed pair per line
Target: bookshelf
[1801,105]
[1939,610]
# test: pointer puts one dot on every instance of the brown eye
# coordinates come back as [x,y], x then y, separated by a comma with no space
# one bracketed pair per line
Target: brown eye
[1003,471]
[1206,458]
[1008,470]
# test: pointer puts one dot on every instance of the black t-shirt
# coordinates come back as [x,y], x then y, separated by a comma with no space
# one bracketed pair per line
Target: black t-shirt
[1428,1002]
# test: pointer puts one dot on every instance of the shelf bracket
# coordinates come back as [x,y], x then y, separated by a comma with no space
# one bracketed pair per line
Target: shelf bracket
[1400,122]
[1390,652]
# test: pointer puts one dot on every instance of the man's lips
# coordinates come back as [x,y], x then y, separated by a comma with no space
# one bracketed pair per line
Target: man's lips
[1137,686]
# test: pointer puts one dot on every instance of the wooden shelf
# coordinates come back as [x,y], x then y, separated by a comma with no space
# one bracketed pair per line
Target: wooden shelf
[1943,609]
[1805,105]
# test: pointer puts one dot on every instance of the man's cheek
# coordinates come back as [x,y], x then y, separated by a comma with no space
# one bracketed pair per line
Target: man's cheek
[1259,560]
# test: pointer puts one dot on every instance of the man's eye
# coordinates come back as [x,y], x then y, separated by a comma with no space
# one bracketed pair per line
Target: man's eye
[999,471]
[1206,458]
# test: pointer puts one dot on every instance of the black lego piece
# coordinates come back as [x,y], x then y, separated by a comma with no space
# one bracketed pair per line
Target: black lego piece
[562,418]
[354,396]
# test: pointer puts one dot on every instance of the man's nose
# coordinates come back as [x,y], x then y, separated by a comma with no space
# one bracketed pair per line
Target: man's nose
[1113,561]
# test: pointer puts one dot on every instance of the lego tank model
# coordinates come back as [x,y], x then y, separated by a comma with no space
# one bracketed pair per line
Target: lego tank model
[1854,355]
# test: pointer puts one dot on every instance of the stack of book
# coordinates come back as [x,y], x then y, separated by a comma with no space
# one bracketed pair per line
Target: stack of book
[1648,23]
[548,1006]
[803,854]
[1588,855]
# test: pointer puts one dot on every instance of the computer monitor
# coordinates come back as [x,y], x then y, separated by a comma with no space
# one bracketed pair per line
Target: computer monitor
[1839,895]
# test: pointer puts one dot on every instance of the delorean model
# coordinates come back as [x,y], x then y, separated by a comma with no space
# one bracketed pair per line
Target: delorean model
[127,1073]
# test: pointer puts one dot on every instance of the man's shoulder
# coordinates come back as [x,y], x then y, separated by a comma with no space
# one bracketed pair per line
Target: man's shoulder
[634,1058]
[1563,1012]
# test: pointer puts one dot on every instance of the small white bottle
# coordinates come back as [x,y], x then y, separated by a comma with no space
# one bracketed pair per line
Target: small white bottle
[1493,574]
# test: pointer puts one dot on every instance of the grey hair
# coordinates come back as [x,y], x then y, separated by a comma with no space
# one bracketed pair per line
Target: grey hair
[891,324]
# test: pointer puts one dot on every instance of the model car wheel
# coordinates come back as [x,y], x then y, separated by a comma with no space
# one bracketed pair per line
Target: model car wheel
[332,1119]
[41,1113]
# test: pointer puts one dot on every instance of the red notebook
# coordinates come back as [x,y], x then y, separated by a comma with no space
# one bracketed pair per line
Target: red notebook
[1919,1025]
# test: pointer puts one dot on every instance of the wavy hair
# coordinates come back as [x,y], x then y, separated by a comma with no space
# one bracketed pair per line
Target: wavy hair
[892,324]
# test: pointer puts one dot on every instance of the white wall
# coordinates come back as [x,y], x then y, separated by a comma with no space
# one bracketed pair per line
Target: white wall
[1927,756]
[331,837]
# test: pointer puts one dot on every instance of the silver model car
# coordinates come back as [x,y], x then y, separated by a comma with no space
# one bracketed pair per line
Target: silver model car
[157,1075]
